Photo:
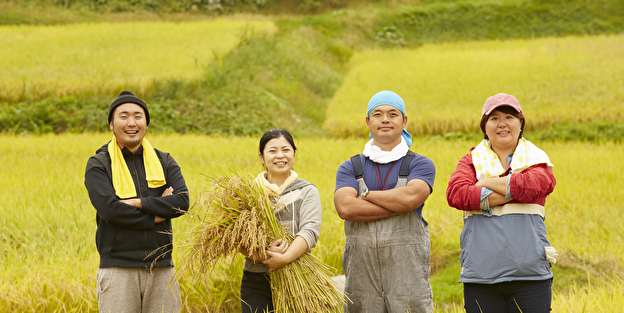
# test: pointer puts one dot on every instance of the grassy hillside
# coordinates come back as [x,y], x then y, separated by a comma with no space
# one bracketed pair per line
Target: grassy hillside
[558,81]
[102,58]
[282,79]
[196,7]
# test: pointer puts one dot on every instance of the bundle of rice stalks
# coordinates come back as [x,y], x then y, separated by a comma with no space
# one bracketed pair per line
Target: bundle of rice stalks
[236,214]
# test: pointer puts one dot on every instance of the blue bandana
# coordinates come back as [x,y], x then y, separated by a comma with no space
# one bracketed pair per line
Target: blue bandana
[390,98]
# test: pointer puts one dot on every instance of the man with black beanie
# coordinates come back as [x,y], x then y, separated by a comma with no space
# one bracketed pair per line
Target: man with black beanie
[136,191]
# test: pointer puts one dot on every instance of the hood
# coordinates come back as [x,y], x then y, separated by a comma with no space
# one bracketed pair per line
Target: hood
[297,184]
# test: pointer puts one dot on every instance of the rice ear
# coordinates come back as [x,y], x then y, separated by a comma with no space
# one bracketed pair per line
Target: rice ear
[236,212]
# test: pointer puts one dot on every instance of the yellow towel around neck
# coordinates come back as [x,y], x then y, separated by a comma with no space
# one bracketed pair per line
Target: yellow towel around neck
[274,189]
[122,179]
[487,164]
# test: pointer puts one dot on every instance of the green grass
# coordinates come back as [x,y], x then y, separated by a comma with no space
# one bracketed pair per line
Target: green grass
[214,76]
[599,297]
[49,256]
[103,58]
[30,13]
[90,51]
[265,82]
[558,81]
[243,80]
[444,21]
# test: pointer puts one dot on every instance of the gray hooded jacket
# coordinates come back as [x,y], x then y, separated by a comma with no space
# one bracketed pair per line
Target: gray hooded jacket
[301,217]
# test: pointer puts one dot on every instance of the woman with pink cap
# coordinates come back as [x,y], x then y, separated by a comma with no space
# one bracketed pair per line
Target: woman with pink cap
[501,186]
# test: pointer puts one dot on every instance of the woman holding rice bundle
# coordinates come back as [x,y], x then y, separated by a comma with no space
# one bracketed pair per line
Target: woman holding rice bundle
[501,186]
[297,207]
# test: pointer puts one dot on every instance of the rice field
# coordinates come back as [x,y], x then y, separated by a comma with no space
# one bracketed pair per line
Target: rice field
[49,259]
[47,246]
[556,80]
[38,61]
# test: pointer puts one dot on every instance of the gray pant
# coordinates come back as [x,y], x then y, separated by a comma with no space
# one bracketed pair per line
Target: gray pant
[386,265]
[136,290]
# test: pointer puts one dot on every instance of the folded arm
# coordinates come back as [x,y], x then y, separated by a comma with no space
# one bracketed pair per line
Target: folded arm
[462,192]
[171,205]
[532,184]
[108,205]
[401,199]
[499,187]
[353,208]
[136,202]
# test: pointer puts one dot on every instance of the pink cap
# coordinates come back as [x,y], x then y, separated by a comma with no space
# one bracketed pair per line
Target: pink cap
[500,99]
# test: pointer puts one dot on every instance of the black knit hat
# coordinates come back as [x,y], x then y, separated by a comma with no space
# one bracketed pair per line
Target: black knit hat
[127,97]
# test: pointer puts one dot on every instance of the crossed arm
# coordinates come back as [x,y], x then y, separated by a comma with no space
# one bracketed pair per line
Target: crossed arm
[530,185]
[380,204]
[136,202]
[499,186]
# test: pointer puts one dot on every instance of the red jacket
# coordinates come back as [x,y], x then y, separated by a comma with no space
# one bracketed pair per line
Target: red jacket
[529,186]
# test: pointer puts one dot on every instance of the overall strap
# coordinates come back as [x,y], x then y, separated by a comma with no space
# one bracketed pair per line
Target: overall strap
[404,171]
[356,162]
[357,166]
[405,165]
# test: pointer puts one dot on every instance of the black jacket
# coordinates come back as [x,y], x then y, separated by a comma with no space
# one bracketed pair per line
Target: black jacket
[127,236]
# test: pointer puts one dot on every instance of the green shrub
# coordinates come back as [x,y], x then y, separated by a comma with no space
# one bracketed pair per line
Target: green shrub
[593,132]
[287,79]
[475,20]
[52,115]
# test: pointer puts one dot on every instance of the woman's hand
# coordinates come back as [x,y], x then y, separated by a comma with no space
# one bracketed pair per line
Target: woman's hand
[278,246]
[277,258]
[496,199]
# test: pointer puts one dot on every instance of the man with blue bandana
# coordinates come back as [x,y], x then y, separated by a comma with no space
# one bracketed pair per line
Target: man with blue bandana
[386,256]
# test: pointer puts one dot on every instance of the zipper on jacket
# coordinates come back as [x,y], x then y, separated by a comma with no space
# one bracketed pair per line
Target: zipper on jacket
[139,195]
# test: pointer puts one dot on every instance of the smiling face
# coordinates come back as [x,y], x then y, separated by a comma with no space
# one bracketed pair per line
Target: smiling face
[386,124]
[278,157]
[503,130]
[129,125]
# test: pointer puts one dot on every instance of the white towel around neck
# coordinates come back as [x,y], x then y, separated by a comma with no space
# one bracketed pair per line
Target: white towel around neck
[383,157]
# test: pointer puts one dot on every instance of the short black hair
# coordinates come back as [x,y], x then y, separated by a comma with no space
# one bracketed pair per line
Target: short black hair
[276,133]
